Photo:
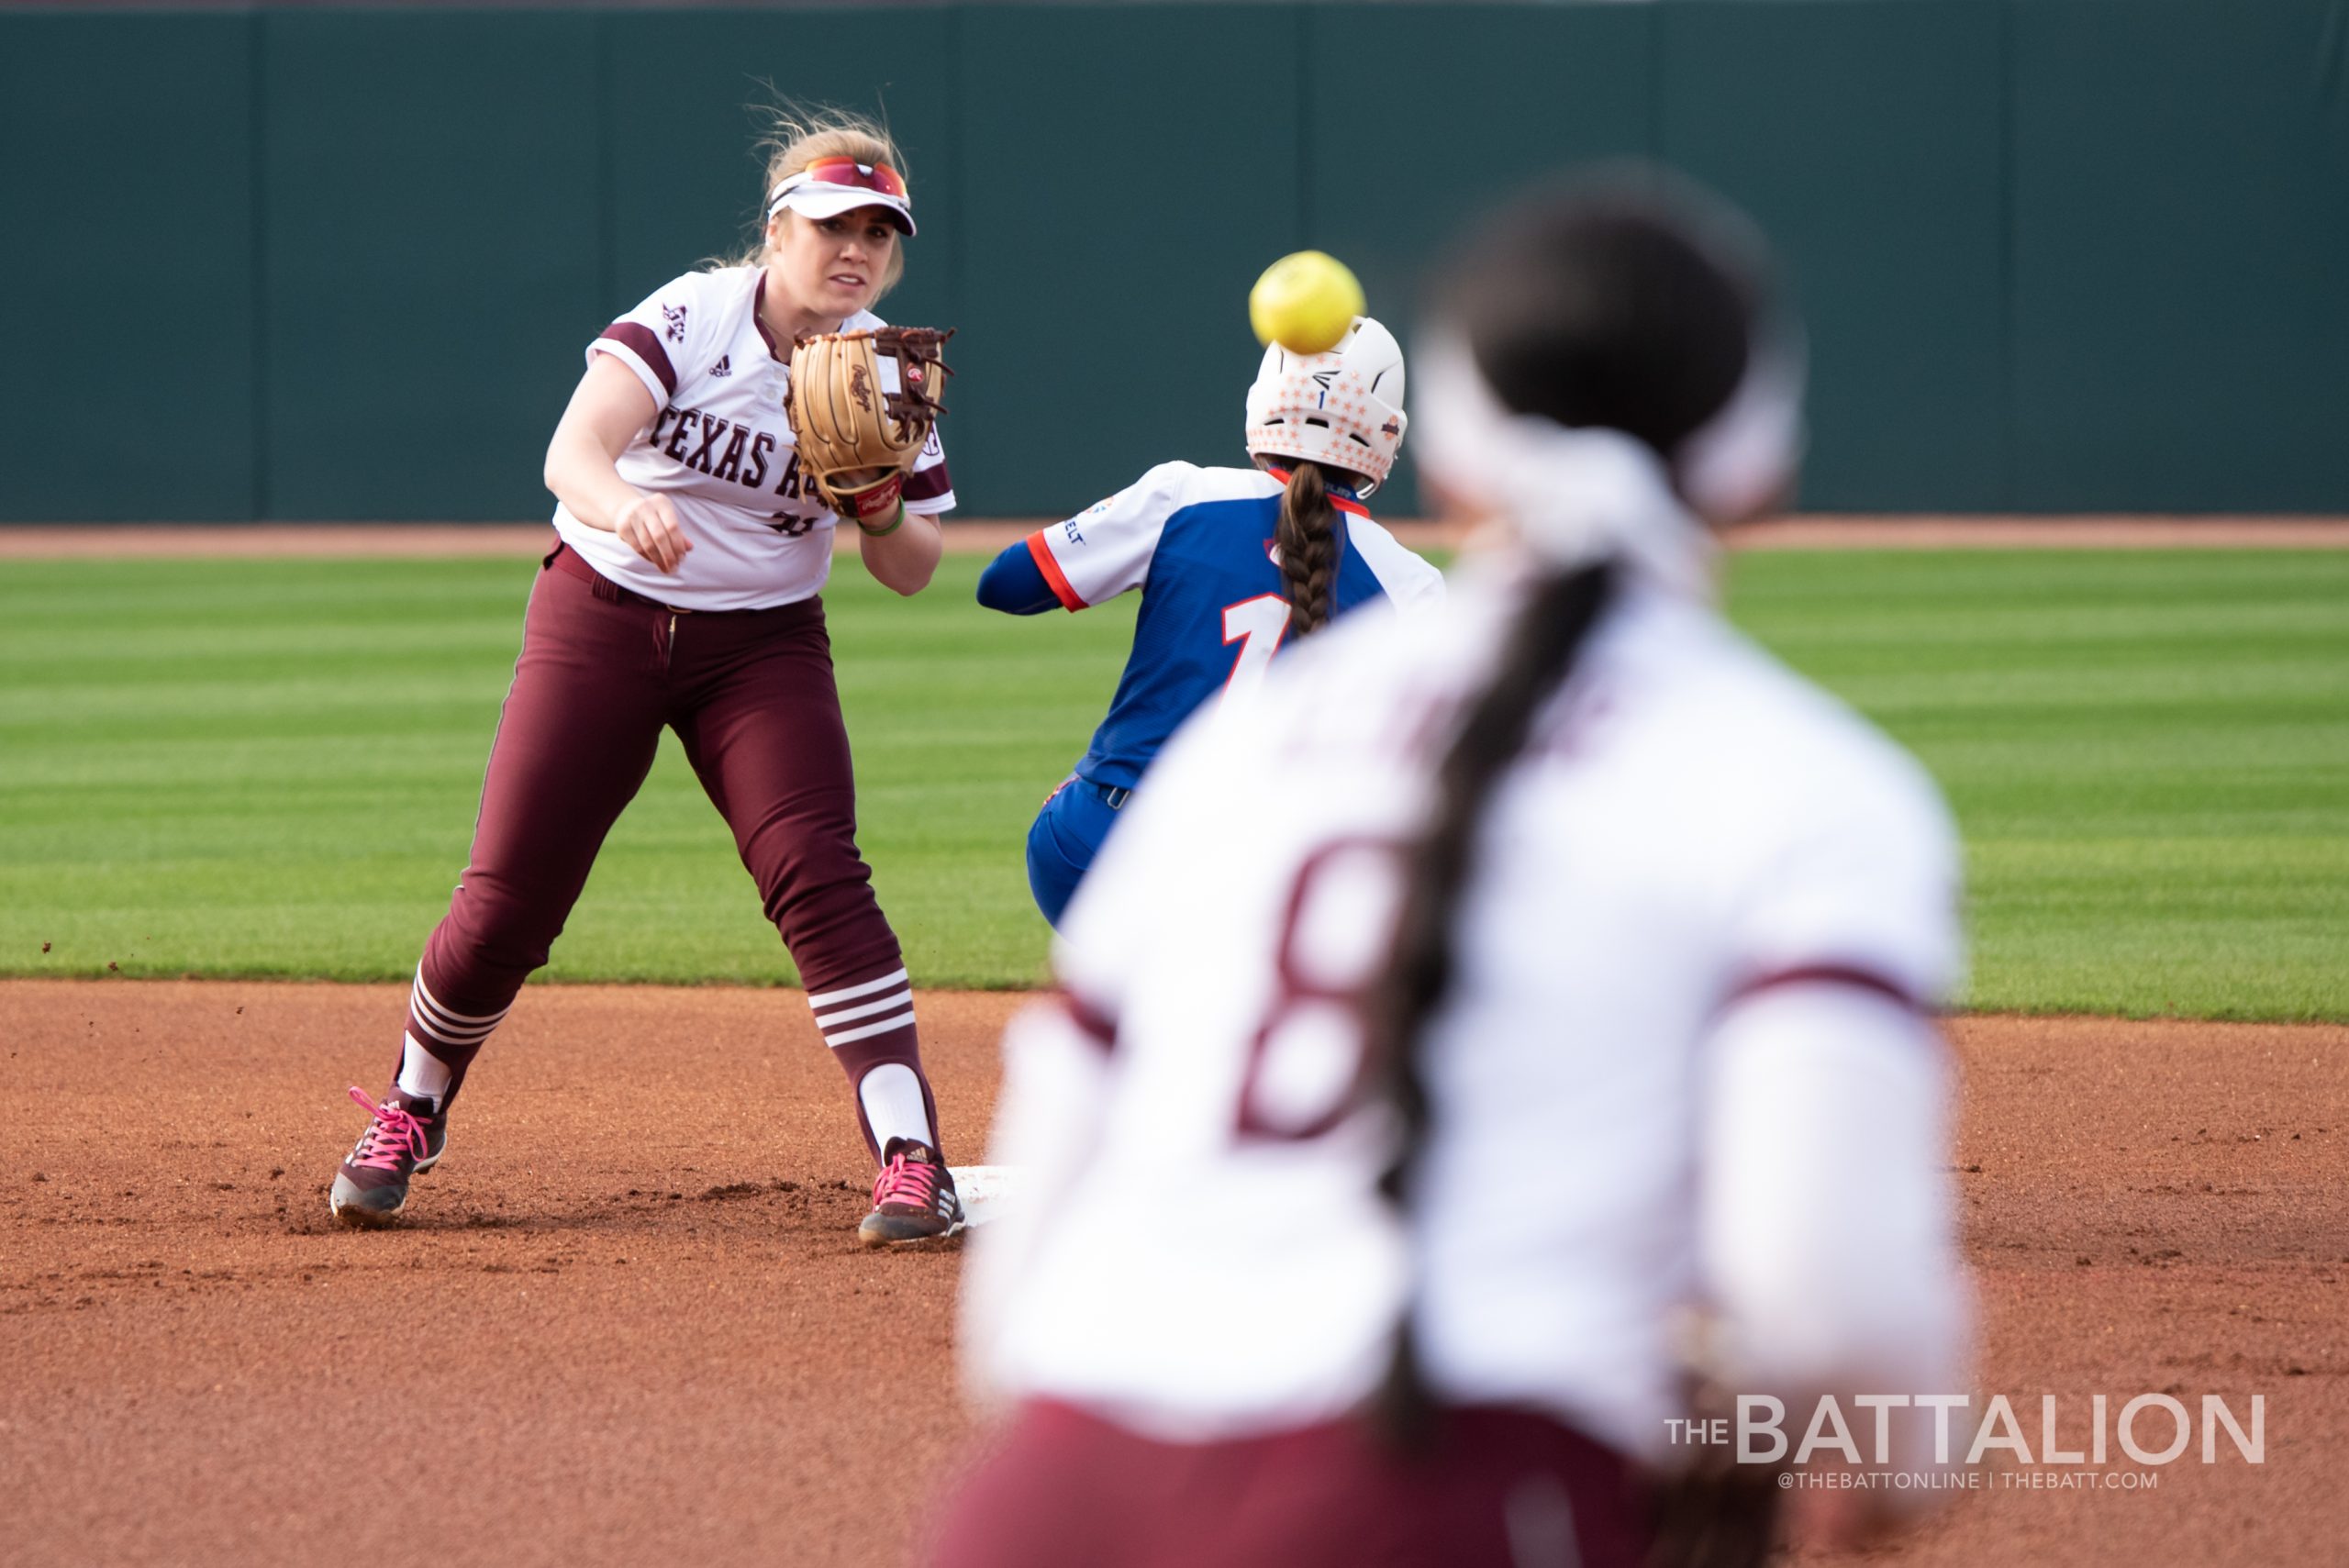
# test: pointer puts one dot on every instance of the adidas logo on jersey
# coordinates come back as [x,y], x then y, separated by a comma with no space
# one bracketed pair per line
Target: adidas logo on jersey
[725,365]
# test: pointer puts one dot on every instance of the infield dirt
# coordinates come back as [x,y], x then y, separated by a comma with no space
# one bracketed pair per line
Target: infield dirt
[629,1322]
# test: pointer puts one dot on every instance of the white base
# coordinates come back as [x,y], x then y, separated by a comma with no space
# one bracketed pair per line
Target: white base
[985,1189]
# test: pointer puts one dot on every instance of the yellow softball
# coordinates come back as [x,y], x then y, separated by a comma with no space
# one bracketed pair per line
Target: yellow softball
[1305,302]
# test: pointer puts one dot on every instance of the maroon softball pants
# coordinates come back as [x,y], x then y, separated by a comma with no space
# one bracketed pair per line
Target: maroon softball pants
[1499,1489]
[750,694]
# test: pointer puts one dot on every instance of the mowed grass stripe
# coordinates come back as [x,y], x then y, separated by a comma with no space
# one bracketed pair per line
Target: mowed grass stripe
[2146,751]
[270,767]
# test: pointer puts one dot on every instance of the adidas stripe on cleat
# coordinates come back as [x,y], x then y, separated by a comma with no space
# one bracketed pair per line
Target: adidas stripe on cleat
[406,1137]
[913,1198]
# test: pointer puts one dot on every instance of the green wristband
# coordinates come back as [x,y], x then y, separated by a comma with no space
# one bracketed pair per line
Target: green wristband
[895,524]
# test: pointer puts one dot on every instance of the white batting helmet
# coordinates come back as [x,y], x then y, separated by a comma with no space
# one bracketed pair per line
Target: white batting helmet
[1342,408]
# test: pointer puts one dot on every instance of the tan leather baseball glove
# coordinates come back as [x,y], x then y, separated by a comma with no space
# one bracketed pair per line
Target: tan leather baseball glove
[858,440]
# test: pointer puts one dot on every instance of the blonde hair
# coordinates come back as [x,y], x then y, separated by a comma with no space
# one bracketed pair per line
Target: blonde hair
[795,136]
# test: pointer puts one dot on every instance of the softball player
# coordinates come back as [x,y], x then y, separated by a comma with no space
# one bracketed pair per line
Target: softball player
[1230,561]
[683,592]
[1488,988]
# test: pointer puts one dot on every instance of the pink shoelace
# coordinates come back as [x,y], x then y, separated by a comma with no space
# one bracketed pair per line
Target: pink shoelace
[392,1132]
[911,1181]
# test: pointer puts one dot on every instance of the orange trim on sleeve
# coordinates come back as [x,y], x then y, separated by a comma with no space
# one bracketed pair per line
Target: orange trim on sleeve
[1042,554]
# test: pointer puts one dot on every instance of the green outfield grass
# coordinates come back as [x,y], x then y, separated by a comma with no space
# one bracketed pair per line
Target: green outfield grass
[270,768]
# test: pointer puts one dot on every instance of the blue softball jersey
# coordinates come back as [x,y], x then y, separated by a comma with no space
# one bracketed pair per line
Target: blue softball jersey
[1199,542]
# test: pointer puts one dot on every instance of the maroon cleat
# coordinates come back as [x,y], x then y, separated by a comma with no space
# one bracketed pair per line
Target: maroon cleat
[405,1138]
[913,1198]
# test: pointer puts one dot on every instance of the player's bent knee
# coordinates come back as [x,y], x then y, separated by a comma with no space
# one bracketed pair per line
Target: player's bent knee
[1051,882]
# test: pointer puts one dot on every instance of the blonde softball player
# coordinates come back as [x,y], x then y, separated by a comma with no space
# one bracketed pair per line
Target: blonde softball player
[1489,988]
[684,593]
[1233,563]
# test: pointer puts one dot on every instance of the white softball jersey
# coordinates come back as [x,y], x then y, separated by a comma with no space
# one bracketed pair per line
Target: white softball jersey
[1109,548]
[722,450]
[1686,1060]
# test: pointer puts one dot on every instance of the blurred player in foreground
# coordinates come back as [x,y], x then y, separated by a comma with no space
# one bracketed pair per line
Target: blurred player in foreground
[684,593]
[1488,991]
[1232,563]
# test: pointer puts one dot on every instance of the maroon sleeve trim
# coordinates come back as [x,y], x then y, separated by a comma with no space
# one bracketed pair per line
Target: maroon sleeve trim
[641,342]
[1825,974]
[1092,1022]
[928,483]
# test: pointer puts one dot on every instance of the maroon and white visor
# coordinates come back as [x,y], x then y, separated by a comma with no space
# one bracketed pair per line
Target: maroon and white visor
[831,186]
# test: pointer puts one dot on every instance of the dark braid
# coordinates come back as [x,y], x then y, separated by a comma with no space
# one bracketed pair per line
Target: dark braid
[1628,306]
[1310,548]
[1536,658]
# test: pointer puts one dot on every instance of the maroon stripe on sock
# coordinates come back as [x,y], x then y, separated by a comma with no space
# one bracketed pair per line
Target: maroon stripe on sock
[451,1052]
[900,1044]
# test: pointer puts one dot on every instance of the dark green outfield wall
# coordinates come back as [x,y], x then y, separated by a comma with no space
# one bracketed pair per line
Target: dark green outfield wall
[318,263]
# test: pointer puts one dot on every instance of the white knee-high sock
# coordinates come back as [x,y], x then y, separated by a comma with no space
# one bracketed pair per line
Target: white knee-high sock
[421,1073]
[891,1097]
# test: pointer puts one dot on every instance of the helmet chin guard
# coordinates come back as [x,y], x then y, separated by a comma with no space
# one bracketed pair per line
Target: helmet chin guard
[1342,409]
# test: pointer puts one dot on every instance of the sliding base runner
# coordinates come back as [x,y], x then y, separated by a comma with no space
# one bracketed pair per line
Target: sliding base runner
[1233,564]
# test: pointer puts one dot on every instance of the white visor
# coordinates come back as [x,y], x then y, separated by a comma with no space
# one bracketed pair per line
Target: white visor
[812,199]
